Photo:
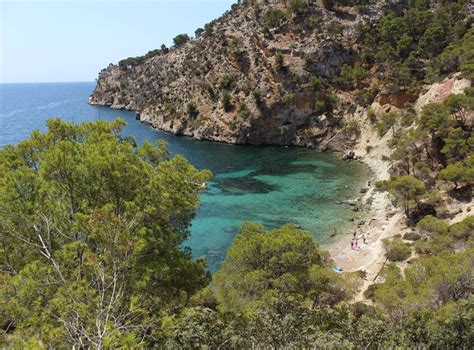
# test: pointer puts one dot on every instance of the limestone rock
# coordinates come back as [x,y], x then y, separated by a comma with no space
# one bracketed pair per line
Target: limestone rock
[236,60]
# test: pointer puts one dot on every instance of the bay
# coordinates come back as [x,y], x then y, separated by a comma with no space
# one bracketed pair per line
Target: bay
[270,185]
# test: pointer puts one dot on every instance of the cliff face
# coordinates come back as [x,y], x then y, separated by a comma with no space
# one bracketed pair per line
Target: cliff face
[256,75]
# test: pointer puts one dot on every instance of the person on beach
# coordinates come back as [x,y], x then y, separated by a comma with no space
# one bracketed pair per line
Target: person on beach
[364,238]
[352,244]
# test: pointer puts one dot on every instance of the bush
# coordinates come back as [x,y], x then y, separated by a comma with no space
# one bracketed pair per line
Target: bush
[315,84]
[279,62]
[257,95]
[180,39]
[387,121]
[325,103]
[351,127]
[460,173]
[192,110]
[198,32]
[435,246]
[397,250]
[432,226]
[411,236]
[463,230]
[273,17]
[288,99]
[244,111]
[371,115]
[299,7]
[207,87]
[351,76]
[336,28]
[369,293]
[227,82]
[226,101]
[314,21]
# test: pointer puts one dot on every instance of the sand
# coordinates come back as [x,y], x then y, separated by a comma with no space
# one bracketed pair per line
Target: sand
[383,220]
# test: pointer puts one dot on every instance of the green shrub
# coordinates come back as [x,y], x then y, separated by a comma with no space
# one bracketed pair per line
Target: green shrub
[227,82]
[387,122]
[207,87]
[434,246]
[336,28]
[351,127]
[315,84]
[351,76]
[226,101]
[192,110]
[369,293]
[431,226]
[412,236]
[460,173]
[180,39]
[325,103]
[198,32]
[371,115]
[279,62]
[257,95]
[244,111]
[299,7]
[288,99]
[463,230]
[314,21]
[397,250]
[273,17]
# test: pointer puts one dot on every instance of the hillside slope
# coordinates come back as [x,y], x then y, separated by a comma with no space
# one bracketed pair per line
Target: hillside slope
[267,72]
[268,103]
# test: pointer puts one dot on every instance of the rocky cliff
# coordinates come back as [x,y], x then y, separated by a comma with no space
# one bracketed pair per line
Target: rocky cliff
[263,73]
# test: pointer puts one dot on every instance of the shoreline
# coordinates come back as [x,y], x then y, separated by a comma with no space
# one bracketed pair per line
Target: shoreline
[383,220]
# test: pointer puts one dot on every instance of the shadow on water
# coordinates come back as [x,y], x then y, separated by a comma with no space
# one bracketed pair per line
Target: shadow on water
[244,185]
[270,185]
[279,170]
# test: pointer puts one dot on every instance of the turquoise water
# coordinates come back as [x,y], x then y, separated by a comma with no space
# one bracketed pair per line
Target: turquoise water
[270,185]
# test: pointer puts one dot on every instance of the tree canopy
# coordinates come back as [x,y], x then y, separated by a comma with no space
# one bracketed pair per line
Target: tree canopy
[263,266]
[91,228]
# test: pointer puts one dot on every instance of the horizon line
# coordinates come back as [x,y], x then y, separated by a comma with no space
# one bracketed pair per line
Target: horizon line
[45,82]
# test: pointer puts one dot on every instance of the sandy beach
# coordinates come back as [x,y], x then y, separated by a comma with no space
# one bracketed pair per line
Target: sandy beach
[383,220]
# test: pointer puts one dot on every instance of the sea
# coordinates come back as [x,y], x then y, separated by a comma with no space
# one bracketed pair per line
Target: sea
[270,185]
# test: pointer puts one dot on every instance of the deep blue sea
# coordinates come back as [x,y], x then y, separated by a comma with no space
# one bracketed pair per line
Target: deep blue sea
[270,185]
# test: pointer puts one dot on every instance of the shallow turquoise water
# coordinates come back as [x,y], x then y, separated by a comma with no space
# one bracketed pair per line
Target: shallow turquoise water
[271,185]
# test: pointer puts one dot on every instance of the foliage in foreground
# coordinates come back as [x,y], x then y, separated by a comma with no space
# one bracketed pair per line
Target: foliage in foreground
[91,228]
[260,302]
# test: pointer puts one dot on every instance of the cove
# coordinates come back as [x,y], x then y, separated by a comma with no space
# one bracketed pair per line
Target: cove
[270,185]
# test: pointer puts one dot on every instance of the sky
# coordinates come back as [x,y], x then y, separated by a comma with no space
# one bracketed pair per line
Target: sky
[72,40]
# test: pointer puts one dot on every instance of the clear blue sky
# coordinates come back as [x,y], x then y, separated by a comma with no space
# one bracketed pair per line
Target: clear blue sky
[72,40]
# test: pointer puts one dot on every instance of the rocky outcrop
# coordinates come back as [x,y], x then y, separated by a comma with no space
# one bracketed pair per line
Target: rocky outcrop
[255,76]
[437,92]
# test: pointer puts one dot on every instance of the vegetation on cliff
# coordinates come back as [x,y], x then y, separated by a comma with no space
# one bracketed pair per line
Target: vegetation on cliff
[91,227]
[356,52]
